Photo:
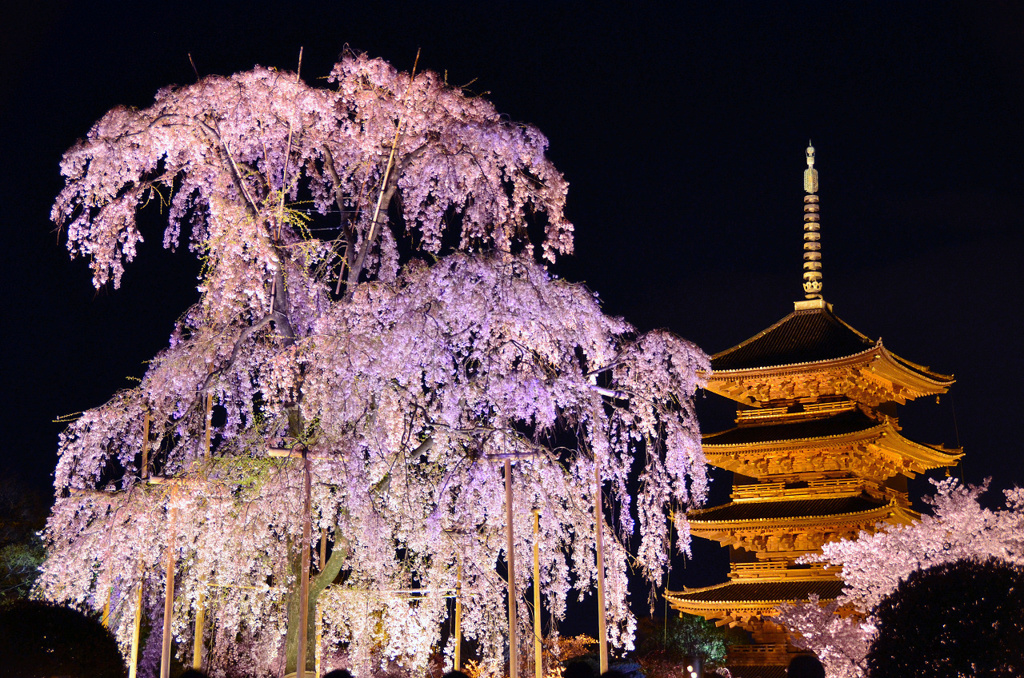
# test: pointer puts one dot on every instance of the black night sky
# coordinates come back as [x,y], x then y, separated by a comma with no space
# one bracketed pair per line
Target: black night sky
[682,134]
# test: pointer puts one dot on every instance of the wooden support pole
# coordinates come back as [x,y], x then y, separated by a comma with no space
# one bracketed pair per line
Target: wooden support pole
[323,549]
[105,619]
[133,667]
[300,670]
[510,556]
[602,631]
[458,616]
[145,446]
[165,654]
[209,424]
[197,646]
[538,647]
[318,650]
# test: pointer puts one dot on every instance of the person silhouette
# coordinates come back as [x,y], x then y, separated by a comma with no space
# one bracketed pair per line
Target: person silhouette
[579,669]
[805,666]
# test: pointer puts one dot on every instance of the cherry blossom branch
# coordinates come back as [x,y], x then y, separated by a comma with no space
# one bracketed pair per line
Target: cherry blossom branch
[389,186]
[610,393]
[235,173]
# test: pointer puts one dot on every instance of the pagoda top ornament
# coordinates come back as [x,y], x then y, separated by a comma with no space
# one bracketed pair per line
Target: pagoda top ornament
[810,174]
[812,235]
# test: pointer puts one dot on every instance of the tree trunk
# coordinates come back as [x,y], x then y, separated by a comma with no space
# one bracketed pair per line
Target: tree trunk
[316,586]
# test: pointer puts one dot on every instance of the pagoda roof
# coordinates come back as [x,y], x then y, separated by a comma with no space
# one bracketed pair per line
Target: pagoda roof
[739,522]
[732,448]
[808,335]
[815,339]
[759,593]
[747,511]
[821,427]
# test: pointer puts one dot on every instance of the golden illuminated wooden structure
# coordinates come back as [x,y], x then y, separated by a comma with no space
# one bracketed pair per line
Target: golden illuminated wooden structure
[817,455]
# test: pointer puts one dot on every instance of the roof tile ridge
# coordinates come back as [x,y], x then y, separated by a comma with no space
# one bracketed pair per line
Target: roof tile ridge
[709,508]
[853,329]
[697,589]
[757,336]
[751,583]
[895,432]
[827,436]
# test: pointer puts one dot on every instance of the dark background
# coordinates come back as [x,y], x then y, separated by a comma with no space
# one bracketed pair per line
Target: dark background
[682,133]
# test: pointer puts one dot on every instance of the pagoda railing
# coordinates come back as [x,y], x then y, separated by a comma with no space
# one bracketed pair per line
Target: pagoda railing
[778,569]
[808,411]
[752,655]
[779,491]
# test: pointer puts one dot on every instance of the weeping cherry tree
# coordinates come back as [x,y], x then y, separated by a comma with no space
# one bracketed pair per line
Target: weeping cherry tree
[374,309]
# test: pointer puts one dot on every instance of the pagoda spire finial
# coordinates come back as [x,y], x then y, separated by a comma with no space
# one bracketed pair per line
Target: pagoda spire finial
[812,235]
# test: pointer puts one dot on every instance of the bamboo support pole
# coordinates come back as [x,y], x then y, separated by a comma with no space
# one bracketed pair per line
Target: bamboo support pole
[304,571]
[513,649]
[295,453]
[323,549]
[318,651]
[197,647]
[538,648]
[136,634]
[105,619]
[165,654]
[145,446]
[602,631]
[209,424]
[458,617]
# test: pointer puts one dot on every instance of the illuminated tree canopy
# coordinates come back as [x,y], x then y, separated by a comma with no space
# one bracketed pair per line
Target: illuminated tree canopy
[370,296]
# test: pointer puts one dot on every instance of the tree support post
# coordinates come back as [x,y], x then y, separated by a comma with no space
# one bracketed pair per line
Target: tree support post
[513,650]
[165,654]
[458,616]
[145,446]
[538,648]
[105,619]
[318,650]
[207,434]
[133,667]
[197,649]
[602,631]
[300,667]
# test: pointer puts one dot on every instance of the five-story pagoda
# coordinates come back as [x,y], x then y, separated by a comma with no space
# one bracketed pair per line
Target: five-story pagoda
[816,454]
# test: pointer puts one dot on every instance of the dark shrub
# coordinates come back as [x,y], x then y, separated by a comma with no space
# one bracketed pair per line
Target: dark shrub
[965,618]
[40,639]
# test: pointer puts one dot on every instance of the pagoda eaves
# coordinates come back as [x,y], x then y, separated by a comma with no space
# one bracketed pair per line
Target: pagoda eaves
[850,443]
[738,603]
[789,529]
[810,354]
